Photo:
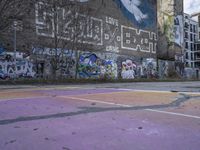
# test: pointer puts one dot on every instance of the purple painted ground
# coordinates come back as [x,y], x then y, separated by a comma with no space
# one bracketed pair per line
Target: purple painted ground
[53,123]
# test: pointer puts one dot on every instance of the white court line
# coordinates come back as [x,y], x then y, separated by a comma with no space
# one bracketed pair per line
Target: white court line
[91,100]
[172,113]
[156,91]
[152,91]
[23,98]
[123,105]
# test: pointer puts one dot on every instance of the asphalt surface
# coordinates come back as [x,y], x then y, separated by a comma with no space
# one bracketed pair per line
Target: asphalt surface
[127,116]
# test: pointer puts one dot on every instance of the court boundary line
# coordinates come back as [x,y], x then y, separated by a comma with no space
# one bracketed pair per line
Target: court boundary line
[123,105]
[23,98]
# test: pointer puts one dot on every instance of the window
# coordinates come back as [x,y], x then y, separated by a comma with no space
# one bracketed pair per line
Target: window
[191,37]
[198,46]
[186,35]
[192,56]
[186,25]
[18,68]
[195,47]
[199,20]
[194,28]
[186,45]
[191,47]
[192,64]
[187,64]
[190,27]
[199,35]
[186,56]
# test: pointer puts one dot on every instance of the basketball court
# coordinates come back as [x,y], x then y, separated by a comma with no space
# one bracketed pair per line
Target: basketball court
[86,118]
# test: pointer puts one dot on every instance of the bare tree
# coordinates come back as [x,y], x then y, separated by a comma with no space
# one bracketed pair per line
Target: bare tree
[11,10]
[71,24]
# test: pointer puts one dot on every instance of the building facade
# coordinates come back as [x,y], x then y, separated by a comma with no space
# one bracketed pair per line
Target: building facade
[91,38]
[114,39]
[191,38]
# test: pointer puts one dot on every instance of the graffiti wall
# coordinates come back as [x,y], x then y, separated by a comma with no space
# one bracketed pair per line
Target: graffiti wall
[103,31]
[66,62]
[166,69]
[24,68]
[135,68]
[95,66]
[149,68]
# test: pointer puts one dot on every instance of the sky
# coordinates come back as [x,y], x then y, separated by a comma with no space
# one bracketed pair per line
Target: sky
[191,6]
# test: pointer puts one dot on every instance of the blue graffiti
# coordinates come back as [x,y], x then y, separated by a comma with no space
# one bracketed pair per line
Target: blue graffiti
[141,13]
[1,49]
[91,66]
[88,66]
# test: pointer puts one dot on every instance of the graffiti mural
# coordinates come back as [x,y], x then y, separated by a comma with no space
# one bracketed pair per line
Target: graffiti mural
[1,49]
[149,68]
[178,30]
[129,69]
[24,68]
[68,64]
[163,69]
[92,66]
[67,61]
[141,12]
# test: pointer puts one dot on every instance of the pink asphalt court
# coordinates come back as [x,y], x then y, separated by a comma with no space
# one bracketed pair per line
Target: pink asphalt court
[54,121]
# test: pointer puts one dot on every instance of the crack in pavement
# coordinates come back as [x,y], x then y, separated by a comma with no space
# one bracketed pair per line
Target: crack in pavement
[87,110]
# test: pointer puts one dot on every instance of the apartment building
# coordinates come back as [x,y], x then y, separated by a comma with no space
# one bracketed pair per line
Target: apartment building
[197,50]
[191,37]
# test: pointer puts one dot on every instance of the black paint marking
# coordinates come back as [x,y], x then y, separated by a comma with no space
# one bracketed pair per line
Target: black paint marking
[87,110]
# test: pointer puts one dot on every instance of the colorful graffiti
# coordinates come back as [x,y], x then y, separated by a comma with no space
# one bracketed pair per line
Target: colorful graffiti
[68,66]
[23,68]
[92,66]
[141,12]
[163,68]
[149,68]
[66,62]
[1,49]
[129,69]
